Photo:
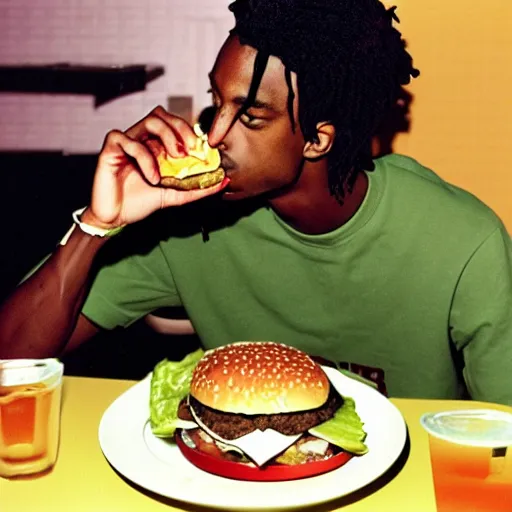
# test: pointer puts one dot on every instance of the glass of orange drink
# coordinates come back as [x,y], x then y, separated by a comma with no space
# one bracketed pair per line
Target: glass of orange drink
[471,465]
[30,397]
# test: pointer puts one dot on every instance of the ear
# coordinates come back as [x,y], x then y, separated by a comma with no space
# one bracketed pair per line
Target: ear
[323,142]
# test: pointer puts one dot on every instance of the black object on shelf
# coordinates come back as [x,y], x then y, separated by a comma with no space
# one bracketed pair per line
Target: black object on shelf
[105,83]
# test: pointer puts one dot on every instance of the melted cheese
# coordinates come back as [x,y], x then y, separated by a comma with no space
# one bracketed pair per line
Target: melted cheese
[260,446]
[200,159]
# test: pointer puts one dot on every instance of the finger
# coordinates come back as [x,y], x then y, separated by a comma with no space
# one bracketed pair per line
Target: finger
[155,126]
[136,150]
[182,129]
[112,154]
[110,144]
[170,139]
[172,197]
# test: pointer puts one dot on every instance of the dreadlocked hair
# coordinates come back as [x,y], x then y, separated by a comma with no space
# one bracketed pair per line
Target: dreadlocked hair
[350,64]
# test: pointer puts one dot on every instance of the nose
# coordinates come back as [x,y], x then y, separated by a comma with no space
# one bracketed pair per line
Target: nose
[222,123]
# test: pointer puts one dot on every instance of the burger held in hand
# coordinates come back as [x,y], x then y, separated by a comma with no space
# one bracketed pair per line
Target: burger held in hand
[265,411]
[199,169]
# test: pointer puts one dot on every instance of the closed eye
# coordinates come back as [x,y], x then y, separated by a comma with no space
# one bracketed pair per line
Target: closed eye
[251,121]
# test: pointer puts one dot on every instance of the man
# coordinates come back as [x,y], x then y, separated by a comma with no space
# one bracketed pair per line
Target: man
[308,242]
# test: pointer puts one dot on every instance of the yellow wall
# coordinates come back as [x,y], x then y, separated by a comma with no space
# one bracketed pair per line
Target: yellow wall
[462,109]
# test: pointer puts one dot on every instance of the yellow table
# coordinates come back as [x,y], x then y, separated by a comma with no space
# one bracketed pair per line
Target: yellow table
[82,480]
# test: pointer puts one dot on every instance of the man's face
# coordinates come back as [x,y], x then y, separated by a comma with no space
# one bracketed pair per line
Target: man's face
[259,150]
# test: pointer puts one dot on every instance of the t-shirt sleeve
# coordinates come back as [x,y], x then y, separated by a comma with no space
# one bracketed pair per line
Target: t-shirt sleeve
[129,288]
[481,319]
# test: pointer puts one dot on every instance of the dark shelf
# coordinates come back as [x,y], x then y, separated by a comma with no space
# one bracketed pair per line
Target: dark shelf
[105,83]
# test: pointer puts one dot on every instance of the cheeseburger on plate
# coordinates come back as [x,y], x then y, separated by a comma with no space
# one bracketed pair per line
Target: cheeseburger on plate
[199,169]
[255,411]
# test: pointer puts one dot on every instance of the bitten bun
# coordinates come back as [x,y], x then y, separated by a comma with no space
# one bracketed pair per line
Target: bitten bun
[199,169]
[259,378]
[204,180]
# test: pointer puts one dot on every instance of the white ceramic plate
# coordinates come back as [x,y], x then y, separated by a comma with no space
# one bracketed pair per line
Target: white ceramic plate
[158,466]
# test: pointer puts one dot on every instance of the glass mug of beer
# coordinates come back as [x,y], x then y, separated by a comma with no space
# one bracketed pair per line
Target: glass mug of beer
[30,397]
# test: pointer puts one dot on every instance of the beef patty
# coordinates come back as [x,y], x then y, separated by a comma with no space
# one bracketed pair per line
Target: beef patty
[232,426]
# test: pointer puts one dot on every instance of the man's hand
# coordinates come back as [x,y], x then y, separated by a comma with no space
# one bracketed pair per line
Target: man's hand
[125,188]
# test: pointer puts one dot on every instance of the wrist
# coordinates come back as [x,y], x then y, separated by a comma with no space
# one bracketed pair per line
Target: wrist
[88,217]
[90,226]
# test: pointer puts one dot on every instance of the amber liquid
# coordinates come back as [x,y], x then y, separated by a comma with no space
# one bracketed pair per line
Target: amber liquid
[29,429]
[469,479]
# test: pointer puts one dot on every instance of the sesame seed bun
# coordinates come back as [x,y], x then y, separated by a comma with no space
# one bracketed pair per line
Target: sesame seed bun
[259,378]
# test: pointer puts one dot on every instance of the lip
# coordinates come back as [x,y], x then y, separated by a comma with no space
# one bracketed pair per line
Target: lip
[228,172]
[226,163]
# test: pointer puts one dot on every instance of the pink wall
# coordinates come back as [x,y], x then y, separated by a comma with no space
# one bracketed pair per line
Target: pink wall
[182,35]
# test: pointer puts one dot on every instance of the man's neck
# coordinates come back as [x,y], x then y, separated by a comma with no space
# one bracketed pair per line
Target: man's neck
[310,208]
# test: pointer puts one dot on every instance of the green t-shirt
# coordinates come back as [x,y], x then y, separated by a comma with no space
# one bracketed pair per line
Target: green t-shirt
[416,283]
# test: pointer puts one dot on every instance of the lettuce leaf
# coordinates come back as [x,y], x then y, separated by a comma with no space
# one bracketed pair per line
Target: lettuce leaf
[170,383]
[344,429]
